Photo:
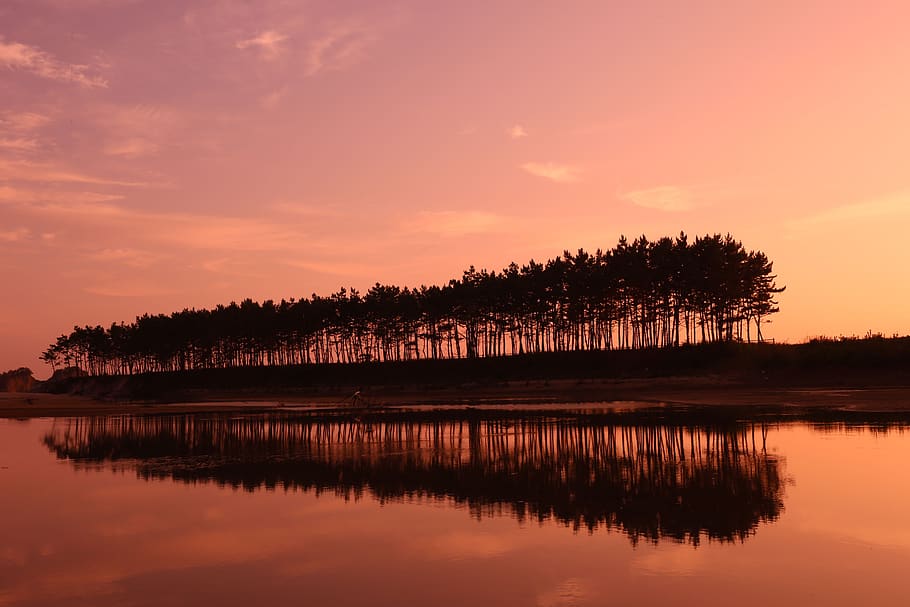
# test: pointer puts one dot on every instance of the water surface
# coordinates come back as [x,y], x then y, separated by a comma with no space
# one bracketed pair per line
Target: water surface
[451,509]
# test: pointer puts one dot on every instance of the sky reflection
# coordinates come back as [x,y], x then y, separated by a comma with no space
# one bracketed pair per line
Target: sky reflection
[88,536]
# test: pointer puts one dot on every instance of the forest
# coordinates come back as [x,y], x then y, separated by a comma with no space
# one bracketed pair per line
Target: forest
[639,294]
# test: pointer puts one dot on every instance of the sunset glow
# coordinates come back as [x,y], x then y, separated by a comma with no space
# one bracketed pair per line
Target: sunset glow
[161,155]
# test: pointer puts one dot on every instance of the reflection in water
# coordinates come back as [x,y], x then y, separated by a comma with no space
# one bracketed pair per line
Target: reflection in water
[651,481]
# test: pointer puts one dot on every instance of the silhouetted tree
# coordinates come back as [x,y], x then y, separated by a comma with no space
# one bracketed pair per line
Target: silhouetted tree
[640,294]
[17,380]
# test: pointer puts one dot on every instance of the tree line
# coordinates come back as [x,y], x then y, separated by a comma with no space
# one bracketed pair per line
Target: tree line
[17,380]
[639,294]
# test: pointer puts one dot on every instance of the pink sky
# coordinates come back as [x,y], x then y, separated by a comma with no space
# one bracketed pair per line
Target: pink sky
[158,154]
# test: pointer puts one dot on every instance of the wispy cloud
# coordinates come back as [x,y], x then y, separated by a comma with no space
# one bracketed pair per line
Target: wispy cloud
[561,173]
[310,211]
[23,170]
[18,144]
[892,205]
[136,258]
[131,148]
[145,119]
[22,122]
[338,48]
[273,99]
[225,233]
[17,235]
[78,5]
[129,288]
[517,132]
[137,130]
[664,198]
[27,195]
[18,131]
[18,56]
[268,43]
[323,266]
[185,230]
[23,234]
[458,223]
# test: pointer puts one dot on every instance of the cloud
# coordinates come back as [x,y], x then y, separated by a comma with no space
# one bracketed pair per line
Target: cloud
[131,148]
[458,223]
[560,173]
[139,119]
[136,130]
[664,198]
[273,99]
[17,130]
[338,48]
[337,268]
[268,43]
[22,122]
[310,211]
[88,210]
[17,235]
[892,205]
[186,230]
[129,288]
[22,170]
[225,233]
[19,144]
[27,196]
[17,56]
[135,258]
[517,132]
[85,4]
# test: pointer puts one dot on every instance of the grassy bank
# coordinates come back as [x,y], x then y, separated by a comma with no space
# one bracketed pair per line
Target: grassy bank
[820,363]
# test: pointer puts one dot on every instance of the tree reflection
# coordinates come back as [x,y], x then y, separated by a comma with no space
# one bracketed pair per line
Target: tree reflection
[650,481]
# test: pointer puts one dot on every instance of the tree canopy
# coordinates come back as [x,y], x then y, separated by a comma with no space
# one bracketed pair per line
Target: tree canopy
[639,294]
[17,380]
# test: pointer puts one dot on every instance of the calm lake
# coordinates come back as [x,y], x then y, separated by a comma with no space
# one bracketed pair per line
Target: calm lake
[467,508]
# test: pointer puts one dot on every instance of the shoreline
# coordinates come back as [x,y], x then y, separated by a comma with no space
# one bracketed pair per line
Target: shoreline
[540,394]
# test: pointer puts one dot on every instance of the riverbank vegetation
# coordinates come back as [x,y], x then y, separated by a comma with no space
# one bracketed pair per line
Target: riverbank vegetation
[557,376]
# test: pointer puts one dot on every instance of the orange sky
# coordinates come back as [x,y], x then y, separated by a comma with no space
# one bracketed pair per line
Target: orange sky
[156,155]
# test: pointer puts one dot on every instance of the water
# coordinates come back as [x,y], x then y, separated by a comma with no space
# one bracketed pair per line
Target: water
[428,508]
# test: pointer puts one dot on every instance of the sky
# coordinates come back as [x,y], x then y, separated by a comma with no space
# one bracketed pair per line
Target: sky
[157,155]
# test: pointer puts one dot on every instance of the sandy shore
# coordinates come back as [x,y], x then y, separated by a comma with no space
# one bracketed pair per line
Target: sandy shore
[607,393]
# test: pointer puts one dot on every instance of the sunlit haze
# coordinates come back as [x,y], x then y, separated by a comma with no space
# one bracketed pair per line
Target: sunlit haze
[157,155]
